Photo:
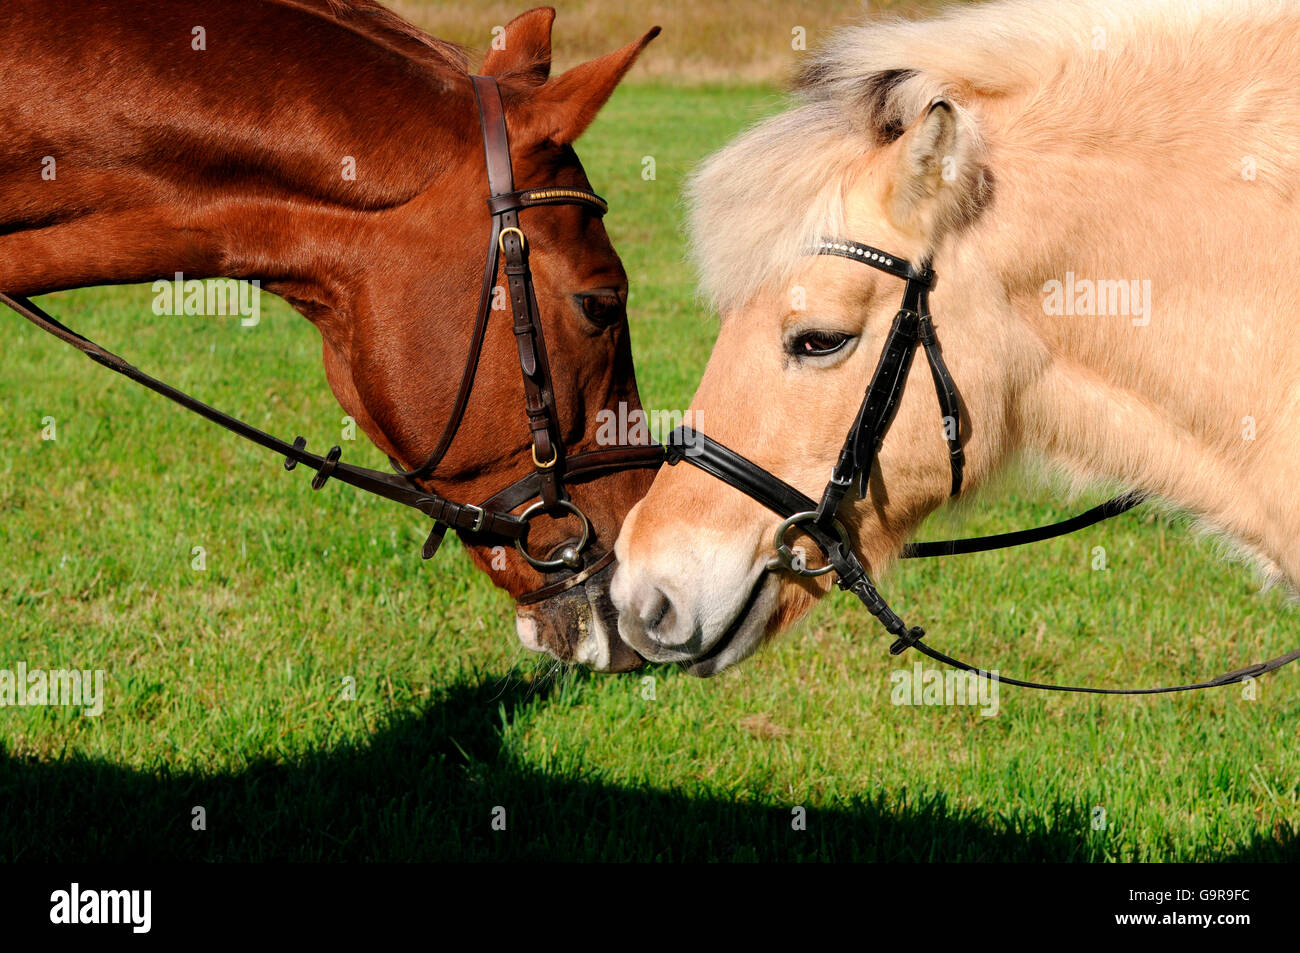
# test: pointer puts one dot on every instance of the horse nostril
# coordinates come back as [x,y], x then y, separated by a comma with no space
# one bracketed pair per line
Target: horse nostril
[658,611]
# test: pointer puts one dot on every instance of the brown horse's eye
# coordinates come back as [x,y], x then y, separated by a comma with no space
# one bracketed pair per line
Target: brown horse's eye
[603,308]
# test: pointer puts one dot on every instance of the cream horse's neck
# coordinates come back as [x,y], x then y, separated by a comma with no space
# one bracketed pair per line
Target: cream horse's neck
[1151,282]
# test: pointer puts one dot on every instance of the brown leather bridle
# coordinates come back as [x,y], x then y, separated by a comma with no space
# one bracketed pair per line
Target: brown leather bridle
[552,471]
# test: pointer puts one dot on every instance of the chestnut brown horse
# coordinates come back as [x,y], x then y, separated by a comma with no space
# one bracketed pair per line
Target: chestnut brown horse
[333,152]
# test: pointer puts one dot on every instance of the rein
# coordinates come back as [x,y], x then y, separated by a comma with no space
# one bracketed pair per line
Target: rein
[912,328]
[552,470]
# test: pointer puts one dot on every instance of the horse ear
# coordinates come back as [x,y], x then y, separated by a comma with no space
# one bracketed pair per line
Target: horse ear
[524,49]
[562,109]
[937,179]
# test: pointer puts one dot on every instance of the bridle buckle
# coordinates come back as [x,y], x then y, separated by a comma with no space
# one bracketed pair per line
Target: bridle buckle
[480,517]
[548,464]
[501,239]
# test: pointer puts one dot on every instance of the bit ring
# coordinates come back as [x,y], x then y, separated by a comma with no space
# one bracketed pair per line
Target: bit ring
[785,557]
[552,565]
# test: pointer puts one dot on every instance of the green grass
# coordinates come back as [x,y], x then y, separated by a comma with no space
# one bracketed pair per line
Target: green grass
[224,685]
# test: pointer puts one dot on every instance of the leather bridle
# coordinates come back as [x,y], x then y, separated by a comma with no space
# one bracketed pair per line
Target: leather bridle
[819,520]
[553,471]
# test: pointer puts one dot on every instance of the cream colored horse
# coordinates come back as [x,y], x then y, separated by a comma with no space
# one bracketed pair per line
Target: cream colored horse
[1109,194]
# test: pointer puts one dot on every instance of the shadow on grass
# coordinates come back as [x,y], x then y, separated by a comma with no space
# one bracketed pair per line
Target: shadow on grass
[424,787]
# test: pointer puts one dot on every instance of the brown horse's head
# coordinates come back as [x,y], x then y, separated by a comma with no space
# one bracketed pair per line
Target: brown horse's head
[397,370]
[334,152]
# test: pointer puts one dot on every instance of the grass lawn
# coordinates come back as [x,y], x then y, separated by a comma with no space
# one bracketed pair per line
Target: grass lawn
[224,685]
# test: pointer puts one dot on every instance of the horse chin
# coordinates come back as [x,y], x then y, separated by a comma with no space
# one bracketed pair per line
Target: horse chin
[746,633]
[579,625]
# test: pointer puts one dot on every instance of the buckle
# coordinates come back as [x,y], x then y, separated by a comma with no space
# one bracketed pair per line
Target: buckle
[555,457]
[501,240]
[480,516]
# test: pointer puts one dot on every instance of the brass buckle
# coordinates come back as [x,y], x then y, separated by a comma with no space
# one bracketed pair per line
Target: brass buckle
[501,239]
[555,457]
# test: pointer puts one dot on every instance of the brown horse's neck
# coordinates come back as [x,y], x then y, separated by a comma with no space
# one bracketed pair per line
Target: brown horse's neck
[211,138]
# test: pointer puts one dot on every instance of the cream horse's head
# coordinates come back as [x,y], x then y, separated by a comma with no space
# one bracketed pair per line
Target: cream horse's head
[1007,146]
[791,364]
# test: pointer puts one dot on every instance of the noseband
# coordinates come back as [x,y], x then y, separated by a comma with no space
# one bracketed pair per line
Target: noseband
[912,328]
[493,519]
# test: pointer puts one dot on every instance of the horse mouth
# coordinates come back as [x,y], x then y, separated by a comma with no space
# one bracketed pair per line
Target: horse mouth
[744,635]
[579,624]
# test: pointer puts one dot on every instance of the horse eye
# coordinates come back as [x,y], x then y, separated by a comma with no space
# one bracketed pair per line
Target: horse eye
[818,343]
[602,307]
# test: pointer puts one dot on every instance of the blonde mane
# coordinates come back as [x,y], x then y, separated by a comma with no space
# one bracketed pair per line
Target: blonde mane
[1087,76]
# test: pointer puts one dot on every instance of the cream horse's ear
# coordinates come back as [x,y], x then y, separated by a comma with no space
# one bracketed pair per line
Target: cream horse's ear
[937,181]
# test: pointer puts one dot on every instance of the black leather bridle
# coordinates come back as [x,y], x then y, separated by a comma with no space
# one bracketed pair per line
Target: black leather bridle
[493,519]
[819,520]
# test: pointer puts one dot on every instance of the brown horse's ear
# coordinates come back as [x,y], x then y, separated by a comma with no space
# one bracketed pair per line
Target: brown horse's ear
[562,110]
[524,50]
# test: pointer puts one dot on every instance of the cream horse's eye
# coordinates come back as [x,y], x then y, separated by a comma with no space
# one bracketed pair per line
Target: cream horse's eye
[817,343]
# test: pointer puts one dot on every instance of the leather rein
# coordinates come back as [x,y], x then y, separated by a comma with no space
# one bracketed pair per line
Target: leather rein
[912,328]
[493,518]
